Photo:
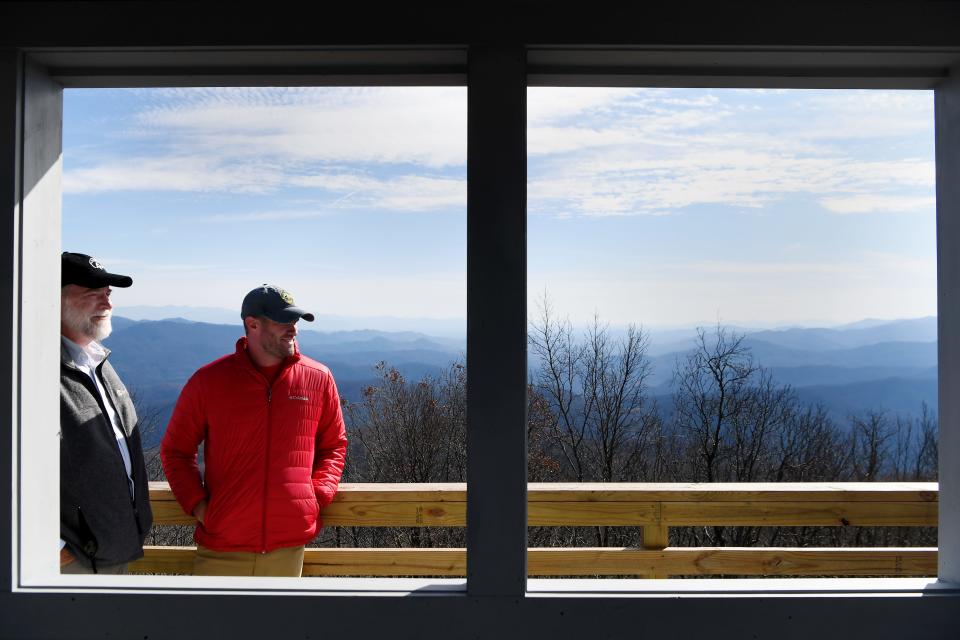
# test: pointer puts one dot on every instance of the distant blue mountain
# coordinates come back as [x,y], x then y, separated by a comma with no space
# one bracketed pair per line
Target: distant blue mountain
[886,366]
[889,366]
[447,327]
[868,351]
[857,335]
[811,376]
[163,350]
[156,357]
[884,354]
[861,363]
[895,396]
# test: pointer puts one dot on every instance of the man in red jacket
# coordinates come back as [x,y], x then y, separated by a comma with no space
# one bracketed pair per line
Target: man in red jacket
[274,446]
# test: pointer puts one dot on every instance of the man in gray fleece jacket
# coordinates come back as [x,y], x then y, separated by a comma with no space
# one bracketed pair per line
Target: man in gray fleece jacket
[104,497]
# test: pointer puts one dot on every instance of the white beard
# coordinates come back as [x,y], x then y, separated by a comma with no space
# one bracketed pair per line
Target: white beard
[86,327]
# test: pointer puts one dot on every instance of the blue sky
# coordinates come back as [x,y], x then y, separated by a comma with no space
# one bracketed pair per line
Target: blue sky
[666,207]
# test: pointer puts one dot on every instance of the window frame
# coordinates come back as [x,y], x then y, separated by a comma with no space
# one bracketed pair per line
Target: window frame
[497,591]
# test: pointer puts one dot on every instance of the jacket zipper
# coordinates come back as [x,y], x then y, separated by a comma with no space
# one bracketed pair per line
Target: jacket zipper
[266,473]
[266,465]
[123,428]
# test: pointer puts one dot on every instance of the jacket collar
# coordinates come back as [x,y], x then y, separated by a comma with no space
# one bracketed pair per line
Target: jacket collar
[67,356]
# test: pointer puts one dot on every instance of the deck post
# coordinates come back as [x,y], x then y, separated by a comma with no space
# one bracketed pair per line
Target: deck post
[656,537]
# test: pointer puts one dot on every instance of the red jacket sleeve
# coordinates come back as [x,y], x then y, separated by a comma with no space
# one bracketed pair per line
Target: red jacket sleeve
[178,450]
[330,449]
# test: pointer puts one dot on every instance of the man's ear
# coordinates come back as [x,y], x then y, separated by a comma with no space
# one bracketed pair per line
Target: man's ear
[251,323]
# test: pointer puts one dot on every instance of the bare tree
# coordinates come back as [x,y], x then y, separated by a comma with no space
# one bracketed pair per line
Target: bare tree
[407,432]
[711,397]
[542,466]
[412,432]
[596,390]
[811,448]
[870,445]
[742,426]
[596,414]
[557,380]
[152,430]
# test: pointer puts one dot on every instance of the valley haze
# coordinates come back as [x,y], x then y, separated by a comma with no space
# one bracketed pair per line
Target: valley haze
[879,365]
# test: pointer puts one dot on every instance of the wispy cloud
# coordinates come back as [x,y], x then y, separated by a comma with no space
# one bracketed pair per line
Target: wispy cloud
[238,159]
[669,153]
[261,140]
[545,106]
[594,152]
[351,191]
[173,173]
[402,193]
[380,125]
[869,203]
[602,185]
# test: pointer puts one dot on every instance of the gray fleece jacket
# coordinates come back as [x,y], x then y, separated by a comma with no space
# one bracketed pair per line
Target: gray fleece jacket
[99,521]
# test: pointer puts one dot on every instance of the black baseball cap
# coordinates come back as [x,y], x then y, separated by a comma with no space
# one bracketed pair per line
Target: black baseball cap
[272,302]
[86,271]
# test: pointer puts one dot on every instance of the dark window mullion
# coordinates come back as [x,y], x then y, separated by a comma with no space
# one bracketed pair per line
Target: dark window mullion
[496,322]
[947,121]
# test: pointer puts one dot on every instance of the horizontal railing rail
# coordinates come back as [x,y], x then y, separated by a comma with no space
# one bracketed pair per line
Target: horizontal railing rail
[653,507]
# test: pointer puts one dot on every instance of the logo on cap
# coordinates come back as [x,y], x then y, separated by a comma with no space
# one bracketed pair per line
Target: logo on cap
[96,265]
[286,297]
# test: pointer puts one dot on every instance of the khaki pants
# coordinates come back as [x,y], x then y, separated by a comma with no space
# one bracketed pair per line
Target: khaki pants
[286,562]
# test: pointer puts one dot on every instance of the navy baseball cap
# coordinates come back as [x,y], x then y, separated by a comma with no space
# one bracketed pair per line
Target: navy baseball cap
[272,302]
[86,271]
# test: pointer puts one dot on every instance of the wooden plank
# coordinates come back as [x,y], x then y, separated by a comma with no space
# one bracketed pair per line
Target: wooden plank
[385,562]
[328,562]
[743,491]
[395,514]
[168,512]
[702,561]
[402,492]
[799,513]
[734,561]
[640,492]
[586,514]
[374,505]
[165,560]
[369,492]
[393,509]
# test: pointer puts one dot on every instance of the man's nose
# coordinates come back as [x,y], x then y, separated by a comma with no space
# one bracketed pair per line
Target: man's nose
[104,298]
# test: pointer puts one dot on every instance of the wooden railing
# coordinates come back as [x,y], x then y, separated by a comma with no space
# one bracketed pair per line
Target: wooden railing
[654,507]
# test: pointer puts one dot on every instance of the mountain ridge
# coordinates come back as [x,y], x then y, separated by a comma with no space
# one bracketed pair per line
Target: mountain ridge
[156,357]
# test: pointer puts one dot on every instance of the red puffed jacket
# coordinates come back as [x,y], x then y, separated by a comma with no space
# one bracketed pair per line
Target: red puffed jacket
[273,454]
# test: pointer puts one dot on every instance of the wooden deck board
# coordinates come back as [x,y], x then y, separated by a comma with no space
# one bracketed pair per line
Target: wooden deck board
[639,492]
[734,561]
[799,514]
[596,561]
[627,504]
